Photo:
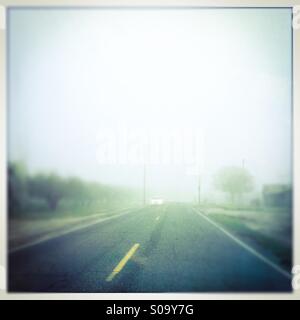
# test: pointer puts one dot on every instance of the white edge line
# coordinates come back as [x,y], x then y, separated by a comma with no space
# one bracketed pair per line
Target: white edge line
[64,232]
[245,246]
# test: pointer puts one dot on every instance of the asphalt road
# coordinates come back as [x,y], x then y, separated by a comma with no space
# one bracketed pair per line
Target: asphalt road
[168,248]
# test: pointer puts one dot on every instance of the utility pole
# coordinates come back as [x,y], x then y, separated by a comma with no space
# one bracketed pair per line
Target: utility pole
[144,191]
[199,184]
[199,189]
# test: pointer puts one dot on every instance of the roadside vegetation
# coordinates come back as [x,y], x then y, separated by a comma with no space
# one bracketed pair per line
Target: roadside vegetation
[48,195]
[262,219]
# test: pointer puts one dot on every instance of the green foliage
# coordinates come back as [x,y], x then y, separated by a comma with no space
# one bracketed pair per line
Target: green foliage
[17,187]
[235,181]
[49,187]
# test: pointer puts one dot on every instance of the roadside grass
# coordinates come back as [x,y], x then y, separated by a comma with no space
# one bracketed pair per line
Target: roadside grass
[270,246]
[72,210]
[32,226]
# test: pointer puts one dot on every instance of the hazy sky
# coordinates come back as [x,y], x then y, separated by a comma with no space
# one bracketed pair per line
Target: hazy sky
[75,75]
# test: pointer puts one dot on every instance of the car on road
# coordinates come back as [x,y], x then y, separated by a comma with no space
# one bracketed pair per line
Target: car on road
[156,201]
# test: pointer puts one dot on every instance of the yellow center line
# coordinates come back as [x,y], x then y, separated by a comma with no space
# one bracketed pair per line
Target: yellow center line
[123,262]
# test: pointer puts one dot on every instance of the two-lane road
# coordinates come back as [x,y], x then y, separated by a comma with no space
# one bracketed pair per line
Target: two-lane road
[168,248]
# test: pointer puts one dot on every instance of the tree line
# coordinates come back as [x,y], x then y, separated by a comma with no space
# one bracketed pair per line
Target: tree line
[46,191]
